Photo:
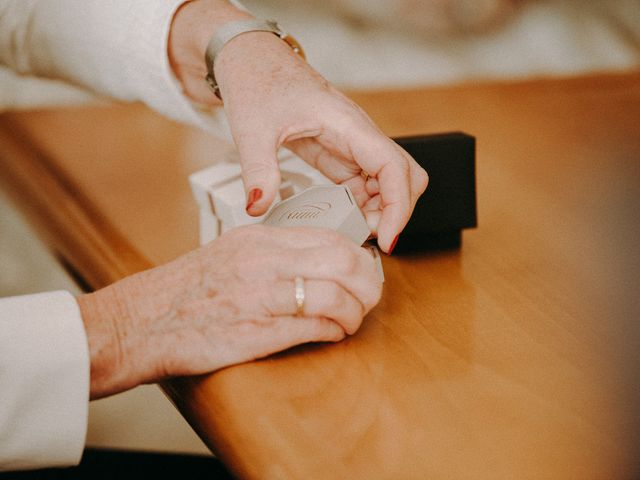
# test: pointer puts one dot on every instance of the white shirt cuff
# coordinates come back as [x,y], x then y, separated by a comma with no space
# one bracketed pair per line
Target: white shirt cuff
[44,381]
[114,48]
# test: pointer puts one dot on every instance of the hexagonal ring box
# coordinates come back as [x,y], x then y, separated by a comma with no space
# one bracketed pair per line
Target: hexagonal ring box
[305,198]
[327,206]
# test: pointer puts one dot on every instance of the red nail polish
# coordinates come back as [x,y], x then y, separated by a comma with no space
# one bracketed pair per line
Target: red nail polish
[254,195]
[393,244]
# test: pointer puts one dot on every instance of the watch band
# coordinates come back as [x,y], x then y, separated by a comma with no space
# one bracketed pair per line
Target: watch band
[231,30]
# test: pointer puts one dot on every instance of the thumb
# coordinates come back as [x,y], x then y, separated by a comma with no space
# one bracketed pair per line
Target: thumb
[260,172]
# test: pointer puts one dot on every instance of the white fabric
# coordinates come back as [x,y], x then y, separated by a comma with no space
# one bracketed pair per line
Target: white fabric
[115,48]
[44,381]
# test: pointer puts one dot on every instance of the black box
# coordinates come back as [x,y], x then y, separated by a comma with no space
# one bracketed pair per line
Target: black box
[449,203]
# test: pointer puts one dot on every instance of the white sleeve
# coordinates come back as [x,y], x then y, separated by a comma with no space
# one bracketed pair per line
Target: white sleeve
[116,48]
[44,381]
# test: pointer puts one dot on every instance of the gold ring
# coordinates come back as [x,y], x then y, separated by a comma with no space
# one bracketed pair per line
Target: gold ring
[364,175]
[300,294]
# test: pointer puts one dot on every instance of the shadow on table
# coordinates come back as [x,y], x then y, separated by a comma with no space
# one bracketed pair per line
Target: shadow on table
[98,464]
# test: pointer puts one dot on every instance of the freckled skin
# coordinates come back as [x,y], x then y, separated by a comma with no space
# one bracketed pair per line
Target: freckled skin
[228,302]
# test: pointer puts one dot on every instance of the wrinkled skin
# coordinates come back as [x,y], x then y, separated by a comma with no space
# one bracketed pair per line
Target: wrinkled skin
[228,302]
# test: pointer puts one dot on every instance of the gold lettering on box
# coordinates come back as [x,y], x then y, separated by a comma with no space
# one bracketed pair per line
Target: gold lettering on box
[306,212]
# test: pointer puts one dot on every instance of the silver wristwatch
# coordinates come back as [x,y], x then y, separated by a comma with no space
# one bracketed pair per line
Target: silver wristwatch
[231,30]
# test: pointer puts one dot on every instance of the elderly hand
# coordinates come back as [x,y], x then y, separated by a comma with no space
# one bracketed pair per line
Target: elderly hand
[273,98]
[228,302]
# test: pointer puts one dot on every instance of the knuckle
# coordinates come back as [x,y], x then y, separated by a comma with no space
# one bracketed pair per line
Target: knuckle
[263,170]
[345,117]
[340,335]
[404,167]
[422,179]
[354,319]
[244,236]
[375,294]
[255,167]
[345,260]
[371,289]
[325,329]
[354,325]
[335,298]
[329,236]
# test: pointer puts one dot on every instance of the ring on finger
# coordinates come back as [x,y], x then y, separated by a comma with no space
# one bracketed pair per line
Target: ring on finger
[300,295]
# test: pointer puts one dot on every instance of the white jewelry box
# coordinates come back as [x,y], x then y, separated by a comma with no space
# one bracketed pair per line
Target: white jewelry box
[326,206]
[305,198]
[219,192]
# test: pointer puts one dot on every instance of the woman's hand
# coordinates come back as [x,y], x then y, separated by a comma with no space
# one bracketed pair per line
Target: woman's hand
[273,98]
[228,302]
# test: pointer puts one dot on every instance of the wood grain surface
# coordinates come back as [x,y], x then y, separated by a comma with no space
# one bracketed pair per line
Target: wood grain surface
[514,357]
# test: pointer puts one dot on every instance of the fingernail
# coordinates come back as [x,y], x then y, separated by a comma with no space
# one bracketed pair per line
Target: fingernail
[393,245]
[254,195]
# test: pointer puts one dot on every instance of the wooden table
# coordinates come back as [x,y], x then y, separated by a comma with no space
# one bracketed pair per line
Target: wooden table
[515,357]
